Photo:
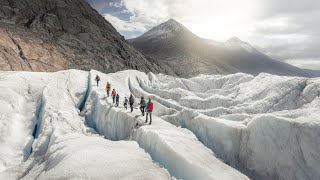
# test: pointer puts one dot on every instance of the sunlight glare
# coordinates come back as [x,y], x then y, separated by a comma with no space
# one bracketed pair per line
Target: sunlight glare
[231,18]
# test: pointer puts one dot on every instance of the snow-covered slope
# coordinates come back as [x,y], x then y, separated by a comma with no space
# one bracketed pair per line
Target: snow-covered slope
[61,125]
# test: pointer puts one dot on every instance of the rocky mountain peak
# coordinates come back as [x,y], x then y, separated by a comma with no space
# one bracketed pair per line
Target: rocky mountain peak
[173,24]
[234,39]
[165,30]
[237,43]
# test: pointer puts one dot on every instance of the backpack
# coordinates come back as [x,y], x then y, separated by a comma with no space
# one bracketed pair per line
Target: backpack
[131,99]
[150,106]
[113,93]
[143,103]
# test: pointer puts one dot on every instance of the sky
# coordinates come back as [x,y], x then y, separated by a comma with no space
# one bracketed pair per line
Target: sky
[286,30]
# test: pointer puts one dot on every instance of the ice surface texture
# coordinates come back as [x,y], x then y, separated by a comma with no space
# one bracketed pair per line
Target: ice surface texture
[47,116]
[61,125]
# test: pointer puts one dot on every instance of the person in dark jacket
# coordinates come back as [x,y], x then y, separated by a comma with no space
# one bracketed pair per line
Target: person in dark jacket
[142,105]
[117,100]
[125,103]
[149,109]
[131,101]
[97,79]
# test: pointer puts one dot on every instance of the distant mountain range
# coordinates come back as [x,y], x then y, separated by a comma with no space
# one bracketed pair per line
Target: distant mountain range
[181,52]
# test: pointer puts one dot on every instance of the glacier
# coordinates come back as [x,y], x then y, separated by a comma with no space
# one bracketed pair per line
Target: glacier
[61,125]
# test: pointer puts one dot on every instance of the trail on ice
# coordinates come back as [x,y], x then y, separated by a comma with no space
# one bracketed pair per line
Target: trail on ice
[65,147]
[264,126]
[176,149]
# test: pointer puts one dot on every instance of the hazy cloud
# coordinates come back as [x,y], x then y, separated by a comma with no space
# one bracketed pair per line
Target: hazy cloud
[305,63]
[269,8]
[124,25]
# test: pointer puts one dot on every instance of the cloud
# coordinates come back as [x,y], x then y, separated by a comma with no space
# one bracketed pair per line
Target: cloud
[134,17]
[148,12]
[270,8]
[282,25]
[100,4]
[122,25]
[305,63]
[288,47]
[207,18]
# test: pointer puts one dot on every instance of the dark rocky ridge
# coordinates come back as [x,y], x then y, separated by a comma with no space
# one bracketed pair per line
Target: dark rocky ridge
[51,35]
[174,46]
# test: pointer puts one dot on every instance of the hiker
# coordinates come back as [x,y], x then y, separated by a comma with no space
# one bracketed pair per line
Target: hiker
[108,87]
[125,103]
[149,108]
[97,79]
[113,94]
[131,101]
[142,105]
[117,100]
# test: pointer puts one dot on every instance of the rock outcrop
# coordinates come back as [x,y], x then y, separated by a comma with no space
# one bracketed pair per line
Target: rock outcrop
[51,35]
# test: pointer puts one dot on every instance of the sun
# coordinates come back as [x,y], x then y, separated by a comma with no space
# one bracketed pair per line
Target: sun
[230,18]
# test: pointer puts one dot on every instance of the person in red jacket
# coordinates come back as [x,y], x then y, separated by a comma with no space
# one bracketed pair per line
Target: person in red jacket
[149,109]
[113,94]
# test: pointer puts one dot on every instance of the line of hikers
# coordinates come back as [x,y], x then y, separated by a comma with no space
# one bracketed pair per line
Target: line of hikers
[144,107]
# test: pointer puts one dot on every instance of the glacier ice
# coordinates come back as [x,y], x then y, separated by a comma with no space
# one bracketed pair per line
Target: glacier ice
[63,146]
[176,149]
[207,127]
[264,126]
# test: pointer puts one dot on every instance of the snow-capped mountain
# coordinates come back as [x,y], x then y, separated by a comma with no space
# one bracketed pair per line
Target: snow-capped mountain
[174,46]
[236,44]
[63,126]
[165,30]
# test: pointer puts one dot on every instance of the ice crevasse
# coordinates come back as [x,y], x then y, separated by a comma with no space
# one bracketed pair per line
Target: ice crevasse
[234,126]
[60,145]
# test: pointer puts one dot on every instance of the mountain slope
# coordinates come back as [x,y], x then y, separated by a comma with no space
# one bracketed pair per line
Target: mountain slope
[187,54]
[50,35]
